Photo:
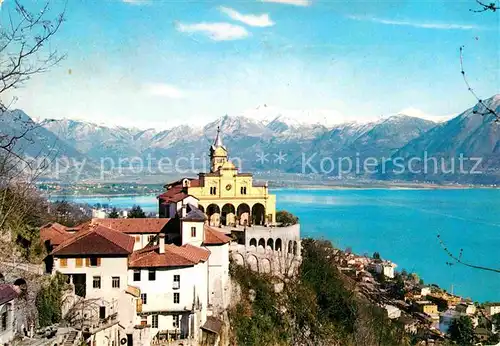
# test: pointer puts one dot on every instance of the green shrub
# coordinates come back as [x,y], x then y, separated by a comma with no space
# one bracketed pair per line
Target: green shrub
[49,300]
[286,218]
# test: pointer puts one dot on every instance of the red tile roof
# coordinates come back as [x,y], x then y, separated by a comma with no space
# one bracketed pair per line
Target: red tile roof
[96,240]
[190,252]
[7,293]
[174,256]
[174,194]
[214,236]
[134,226]
[54,233]
[177,192]
[195,183]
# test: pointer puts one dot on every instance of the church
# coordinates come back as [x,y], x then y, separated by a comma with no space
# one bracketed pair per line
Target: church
[226,196]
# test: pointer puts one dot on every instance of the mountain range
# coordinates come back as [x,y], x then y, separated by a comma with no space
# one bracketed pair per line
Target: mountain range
[282,144]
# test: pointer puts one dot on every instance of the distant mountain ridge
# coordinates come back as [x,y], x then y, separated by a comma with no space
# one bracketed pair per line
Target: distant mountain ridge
[280,143]
[474,137]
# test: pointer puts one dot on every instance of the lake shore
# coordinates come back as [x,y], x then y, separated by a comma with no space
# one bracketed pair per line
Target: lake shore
[304,186]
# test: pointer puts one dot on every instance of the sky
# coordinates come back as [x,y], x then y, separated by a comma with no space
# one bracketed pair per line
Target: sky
[163,63]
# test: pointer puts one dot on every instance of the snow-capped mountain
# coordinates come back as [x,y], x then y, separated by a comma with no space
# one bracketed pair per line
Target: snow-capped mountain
[473,135]
[275,133]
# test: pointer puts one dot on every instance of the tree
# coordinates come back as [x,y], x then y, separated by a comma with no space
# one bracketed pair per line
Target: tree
[24,52]
[114,214]
[136,213]
[376,255]
[22,48]
[286,218]
[495,319]
[68,213]
[483,7]
[462,331]
[458,259]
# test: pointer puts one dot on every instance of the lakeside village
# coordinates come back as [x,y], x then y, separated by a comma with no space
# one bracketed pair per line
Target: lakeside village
[166,280]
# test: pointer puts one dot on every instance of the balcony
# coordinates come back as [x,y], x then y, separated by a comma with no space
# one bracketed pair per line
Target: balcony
[171,337]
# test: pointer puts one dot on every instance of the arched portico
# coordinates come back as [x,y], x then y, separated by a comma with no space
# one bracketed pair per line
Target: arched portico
[238,259]
[253,263]
[265,266]
[270,243]
[228,214]
[262,243]
[213,214]
[258,214]
[243,214]
[278,245]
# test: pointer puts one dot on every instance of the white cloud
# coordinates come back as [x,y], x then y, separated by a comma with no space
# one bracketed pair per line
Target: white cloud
[215,31]
[291,2]
[262,20]
[424,25]
[164,90]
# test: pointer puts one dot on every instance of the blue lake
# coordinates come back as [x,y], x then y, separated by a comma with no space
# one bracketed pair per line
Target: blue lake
[402,225]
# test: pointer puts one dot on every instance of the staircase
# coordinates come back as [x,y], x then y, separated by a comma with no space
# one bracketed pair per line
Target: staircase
[70,340]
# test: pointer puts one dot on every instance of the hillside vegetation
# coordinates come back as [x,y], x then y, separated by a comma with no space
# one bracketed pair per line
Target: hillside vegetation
[318,307]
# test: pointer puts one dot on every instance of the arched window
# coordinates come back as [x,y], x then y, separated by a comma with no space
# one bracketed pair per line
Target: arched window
[243,190]
[5,317]
[262,242]
[253,242]
[270,243]
[278,245]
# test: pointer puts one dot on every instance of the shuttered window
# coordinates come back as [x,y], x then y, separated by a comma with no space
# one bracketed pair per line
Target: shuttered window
[63,262]
[139,305]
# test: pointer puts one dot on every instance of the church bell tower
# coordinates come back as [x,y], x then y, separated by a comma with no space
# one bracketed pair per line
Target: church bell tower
[218,153]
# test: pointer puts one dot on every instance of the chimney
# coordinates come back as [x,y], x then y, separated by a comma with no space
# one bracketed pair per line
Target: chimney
[161,243]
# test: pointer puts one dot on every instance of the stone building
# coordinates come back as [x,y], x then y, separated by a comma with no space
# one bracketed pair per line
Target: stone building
[226,196]
[241,207]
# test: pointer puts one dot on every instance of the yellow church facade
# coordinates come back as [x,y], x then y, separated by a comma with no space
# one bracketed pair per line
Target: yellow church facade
[227,196]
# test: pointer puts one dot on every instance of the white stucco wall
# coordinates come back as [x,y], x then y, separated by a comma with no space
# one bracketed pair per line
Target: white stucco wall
[175,207]
[160,292]
[186,233]
[288,235]
[218,276]
[493,309]
[166,322]
[109,267]
[141,240]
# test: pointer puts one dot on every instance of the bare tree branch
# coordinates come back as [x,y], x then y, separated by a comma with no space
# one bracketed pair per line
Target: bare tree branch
[458,259]
[486,110]
[485,7]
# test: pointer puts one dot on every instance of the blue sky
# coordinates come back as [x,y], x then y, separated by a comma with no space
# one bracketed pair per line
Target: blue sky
[156,63]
